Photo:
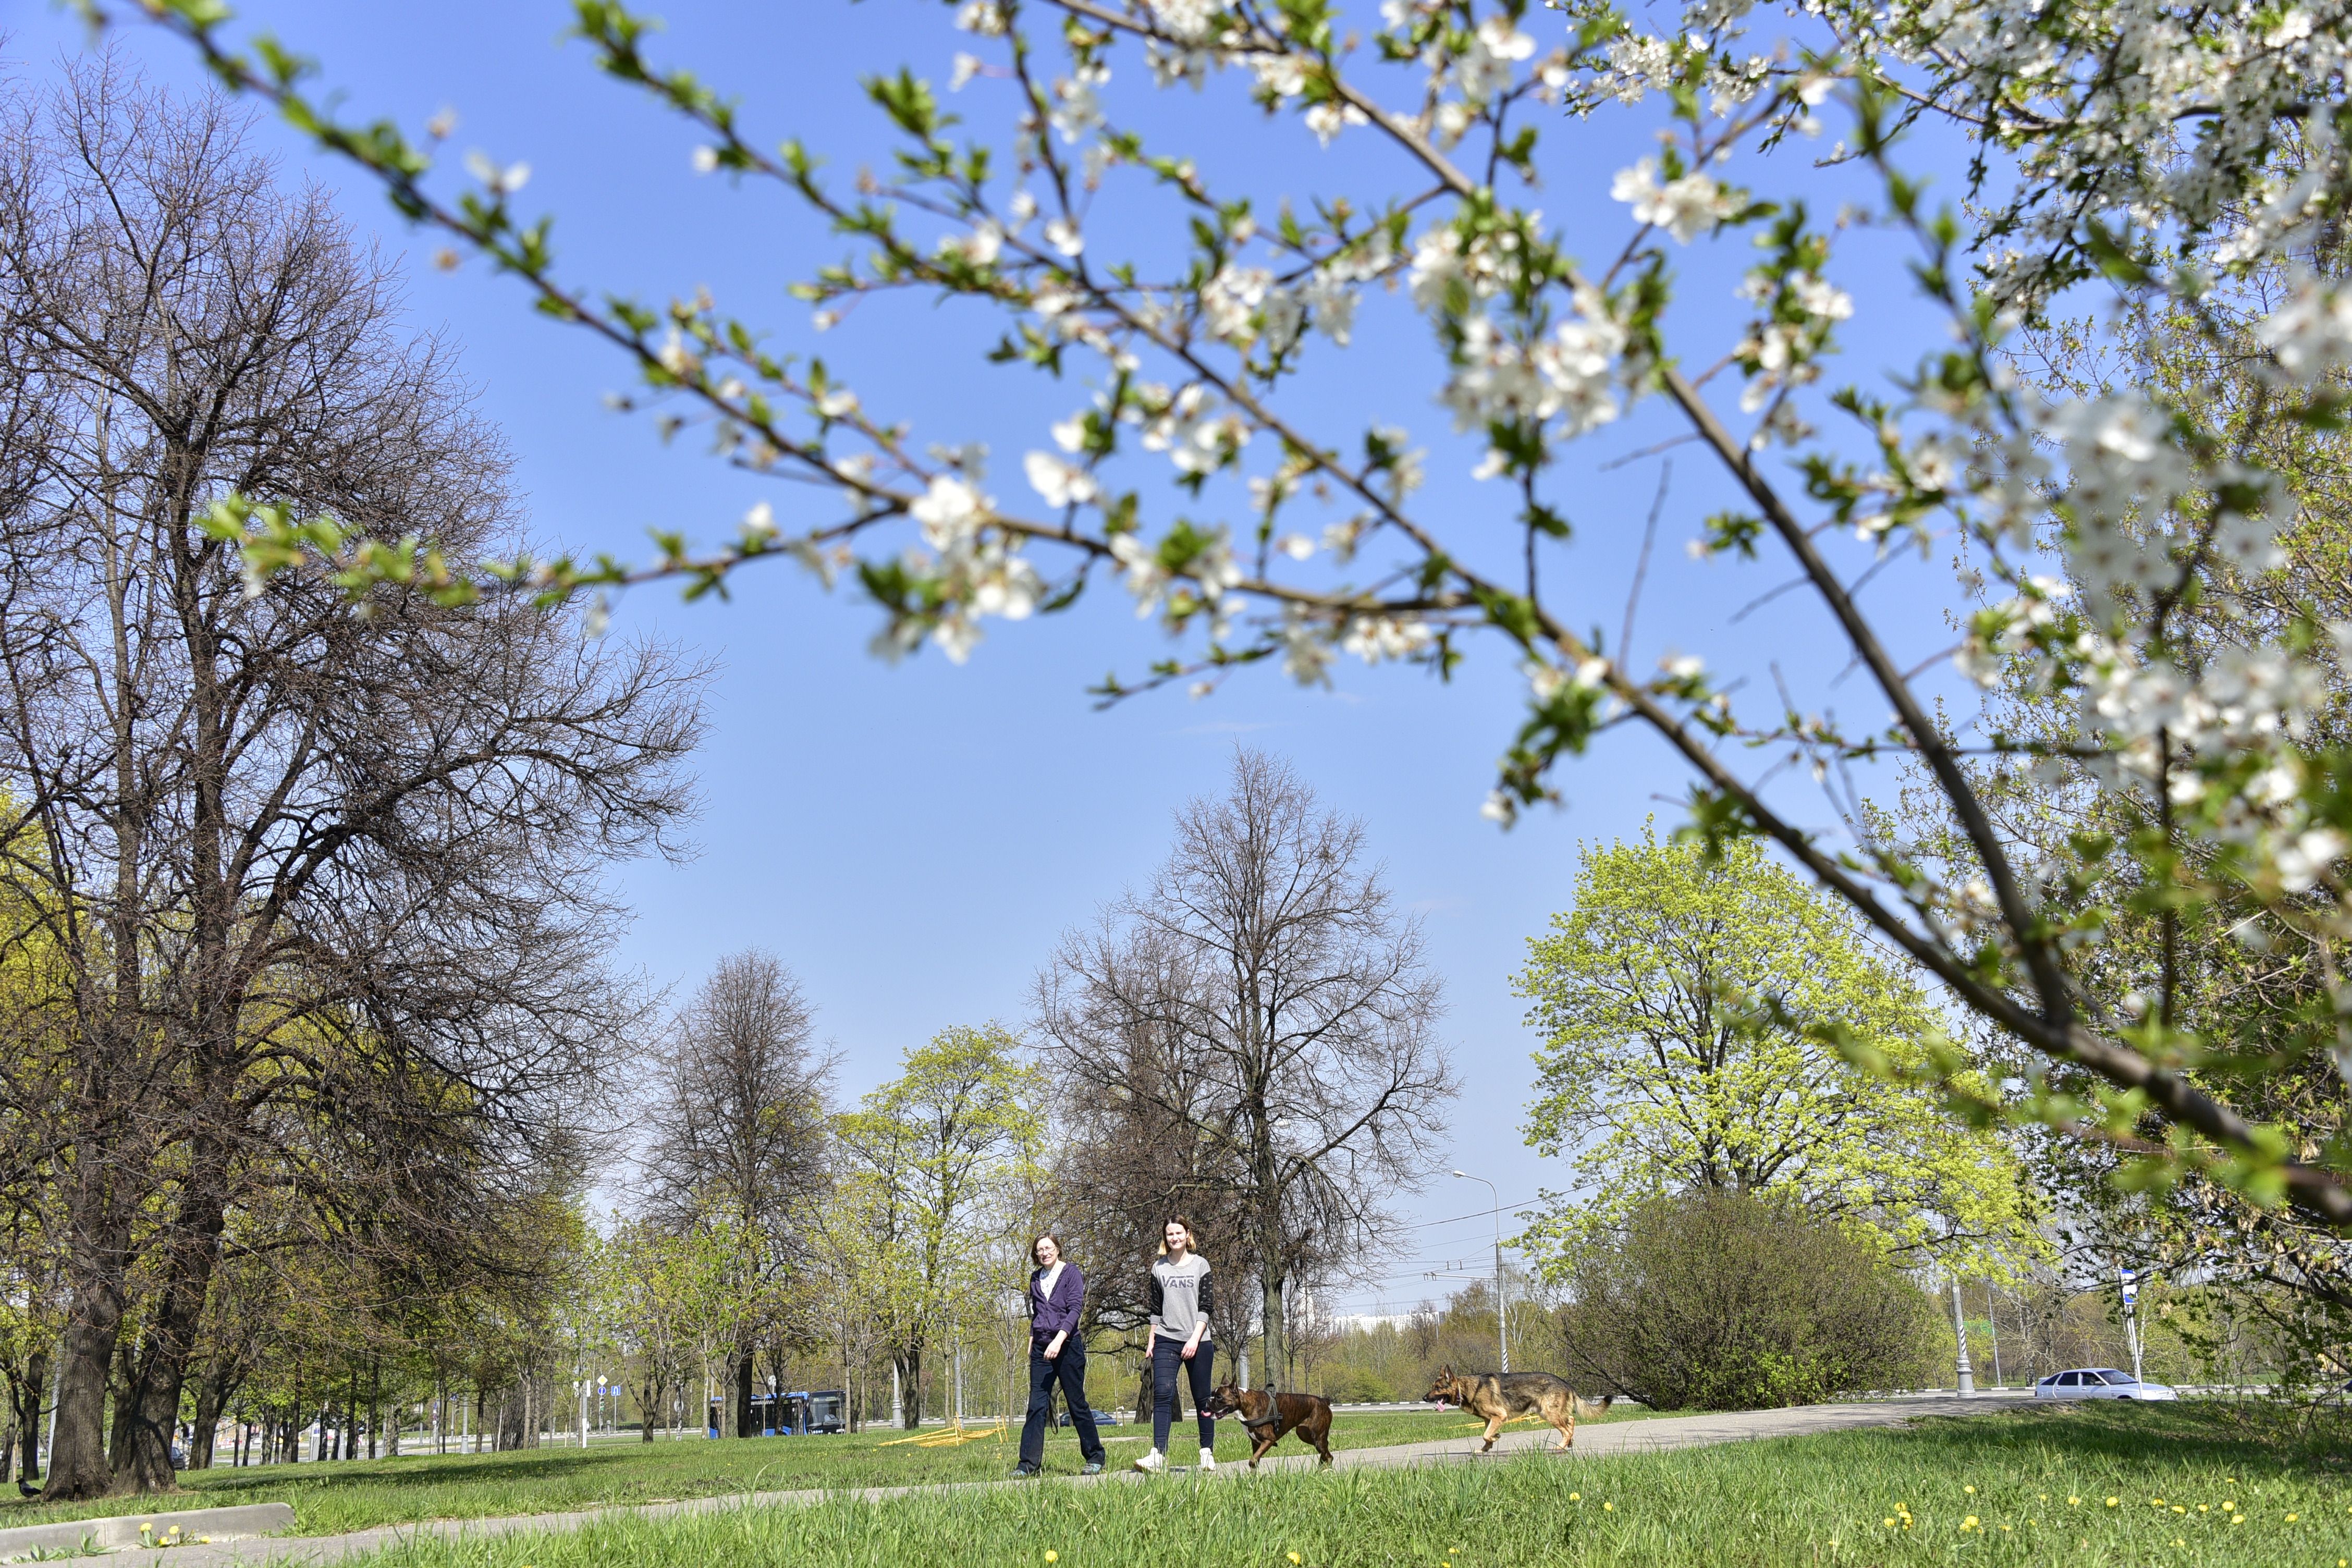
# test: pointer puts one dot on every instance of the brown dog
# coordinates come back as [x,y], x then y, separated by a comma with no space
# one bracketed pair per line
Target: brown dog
[1499,1397]
[1268,1415]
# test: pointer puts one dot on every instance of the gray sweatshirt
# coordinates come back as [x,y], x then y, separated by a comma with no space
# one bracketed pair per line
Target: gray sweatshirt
[1181,1296]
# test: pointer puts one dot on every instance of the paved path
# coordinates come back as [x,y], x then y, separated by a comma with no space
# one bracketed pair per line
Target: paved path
[1652,1436]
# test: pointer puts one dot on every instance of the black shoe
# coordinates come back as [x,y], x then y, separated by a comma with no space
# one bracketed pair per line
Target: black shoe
[1025,1468]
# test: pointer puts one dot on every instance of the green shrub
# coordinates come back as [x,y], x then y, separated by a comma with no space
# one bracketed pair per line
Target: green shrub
[1355,1385]
[1725,1301]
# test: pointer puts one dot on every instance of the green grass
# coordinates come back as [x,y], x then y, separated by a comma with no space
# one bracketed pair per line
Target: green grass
[1775,1504]
[330,1498]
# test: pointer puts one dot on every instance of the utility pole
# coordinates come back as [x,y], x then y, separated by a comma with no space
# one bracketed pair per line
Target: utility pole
[2131,1317]
[1960,1331]
[1502,1306]
[1992,1325]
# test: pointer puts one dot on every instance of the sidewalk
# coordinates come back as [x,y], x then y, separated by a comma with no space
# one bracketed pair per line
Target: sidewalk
[1653,1435]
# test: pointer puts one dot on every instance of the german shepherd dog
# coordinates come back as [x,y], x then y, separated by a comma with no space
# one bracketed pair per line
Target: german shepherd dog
[1499,1396]
[1268,1415]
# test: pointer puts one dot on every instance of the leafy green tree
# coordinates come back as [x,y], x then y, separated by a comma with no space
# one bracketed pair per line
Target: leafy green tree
[1727,1301]
[932,1153]
[1693,1011]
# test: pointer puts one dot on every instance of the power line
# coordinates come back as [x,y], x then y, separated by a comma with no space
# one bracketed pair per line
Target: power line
[1474,1214]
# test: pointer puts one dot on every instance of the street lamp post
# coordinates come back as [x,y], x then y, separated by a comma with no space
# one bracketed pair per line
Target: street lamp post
[1502,1313]
[1960,1329]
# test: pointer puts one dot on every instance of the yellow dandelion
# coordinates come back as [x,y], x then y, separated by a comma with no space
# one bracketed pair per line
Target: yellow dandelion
[2291,1519]
[1890,1524]
[1294,1557]
[2229,1508]
[2004,1527]
[2178,1542]
[1969,1522]
[2111,1502]
[2040,1497]
[2237,1519]
[1051,1556]
[1576,1496]
[2203,1509]
[1970,1490]
[2074,1501]
[1609,1508]
[2178,1509]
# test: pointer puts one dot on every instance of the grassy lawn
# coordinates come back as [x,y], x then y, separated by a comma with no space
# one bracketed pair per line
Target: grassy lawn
[330,1499]
[2193,1484]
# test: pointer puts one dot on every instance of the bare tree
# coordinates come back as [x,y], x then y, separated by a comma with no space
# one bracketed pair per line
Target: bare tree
[291,858]
[1265,1003]
[738,1133]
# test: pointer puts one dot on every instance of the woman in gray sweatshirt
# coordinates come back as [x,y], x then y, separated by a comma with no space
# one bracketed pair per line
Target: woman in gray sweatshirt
[1182,1303]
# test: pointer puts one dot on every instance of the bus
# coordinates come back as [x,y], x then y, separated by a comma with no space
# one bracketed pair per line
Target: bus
[797,1414]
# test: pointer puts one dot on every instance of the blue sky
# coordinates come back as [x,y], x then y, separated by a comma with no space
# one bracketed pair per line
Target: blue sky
[911,839]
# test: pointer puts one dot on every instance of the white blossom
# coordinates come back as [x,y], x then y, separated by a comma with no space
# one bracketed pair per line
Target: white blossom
[986,17]
[1683,208]
[2307,857]
[1327,120]
[950,511]
[1231,300]
[1061,483]
[2310,335]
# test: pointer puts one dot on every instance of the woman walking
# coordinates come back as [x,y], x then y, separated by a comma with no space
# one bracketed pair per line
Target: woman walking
[1056,1350]
[1181,1305]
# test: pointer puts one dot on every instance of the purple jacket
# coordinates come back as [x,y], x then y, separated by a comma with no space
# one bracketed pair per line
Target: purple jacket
[1059,1315]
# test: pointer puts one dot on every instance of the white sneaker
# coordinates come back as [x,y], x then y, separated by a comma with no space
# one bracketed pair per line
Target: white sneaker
[1151,1464]
[1208,1458]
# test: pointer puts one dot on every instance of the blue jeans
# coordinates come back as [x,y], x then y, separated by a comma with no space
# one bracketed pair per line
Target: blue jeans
[1069,1369]
[1167,1355]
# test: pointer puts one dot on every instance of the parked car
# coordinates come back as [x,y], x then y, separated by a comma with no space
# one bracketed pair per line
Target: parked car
[2100,1383]
[1102,1417]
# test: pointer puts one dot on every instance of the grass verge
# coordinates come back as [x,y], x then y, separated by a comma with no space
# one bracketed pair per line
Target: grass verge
[2210,1486]
[330,1499]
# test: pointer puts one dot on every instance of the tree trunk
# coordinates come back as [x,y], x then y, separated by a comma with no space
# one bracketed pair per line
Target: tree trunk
[911,1377]
[29,1406]
[647,1403]
[745,1426]
[78,1467]
[1274,1340]
[213,1391]
[151,1398]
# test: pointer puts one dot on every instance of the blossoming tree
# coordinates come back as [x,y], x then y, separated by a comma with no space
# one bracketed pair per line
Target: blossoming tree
[2146,154]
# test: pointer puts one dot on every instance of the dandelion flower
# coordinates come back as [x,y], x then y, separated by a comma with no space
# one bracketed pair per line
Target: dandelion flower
[1889,1523]
[2291,1518]
[1576,1496]
[1053,1557]
[2111,1502]
[1609,1508]
[1970,1490]
[2072,1501]
[1294,1557]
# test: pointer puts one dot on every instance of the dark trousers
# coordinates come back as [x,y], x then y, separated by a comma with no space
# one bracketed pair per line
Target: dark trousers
[1167,1355]
[1070,1368]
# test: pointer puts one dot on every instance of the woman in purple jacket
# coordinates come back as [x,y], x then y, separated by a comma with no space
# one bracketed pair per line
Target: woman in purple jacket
[1056,1350]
